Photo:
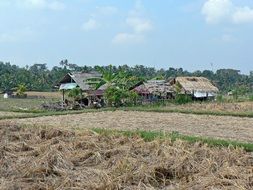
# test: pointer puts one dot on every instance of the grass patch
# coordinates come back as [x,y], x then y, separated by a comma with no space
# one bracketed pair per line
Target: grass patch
[39,113]
[159,108]
[142,109]
[152,135]
[201,112]
[21,104]
[53,113]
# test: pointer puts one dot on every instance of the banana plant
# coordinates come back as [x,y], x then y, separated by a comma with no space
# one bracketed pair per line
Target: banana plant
[108,78]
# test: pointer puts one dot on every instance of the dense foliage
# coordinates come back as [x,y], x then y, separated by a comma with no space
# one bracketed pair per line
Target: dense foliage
[21,90]
[118,85]
[39,77]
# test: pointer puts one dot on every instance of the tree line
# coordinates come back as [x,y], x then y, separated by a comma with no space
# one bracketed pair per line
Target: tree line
[39,77]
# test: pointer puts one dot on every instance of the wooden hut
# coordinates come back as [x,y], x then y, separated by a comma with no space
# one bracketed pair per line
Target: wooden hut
[79,79]
[153,90]
[197,87]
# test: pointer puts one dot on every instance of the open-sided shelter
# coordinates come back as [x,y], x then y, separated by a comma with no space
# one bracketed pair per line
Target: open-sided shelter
[198,87]
[154,89]
[79,79]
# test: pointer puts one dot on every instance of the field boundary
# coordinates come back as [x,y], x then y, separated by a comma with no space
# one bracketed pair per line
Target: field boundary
[52,113]
[39,113]
[152,135]
[194,112]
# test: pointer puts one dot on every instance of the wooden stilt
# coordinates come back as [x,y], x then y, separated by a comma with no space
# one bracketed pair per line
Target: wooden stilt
[63,95]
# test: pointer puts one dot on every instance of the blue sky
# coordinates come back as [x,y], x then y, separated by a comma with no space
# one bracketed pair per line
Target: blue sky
[190,34]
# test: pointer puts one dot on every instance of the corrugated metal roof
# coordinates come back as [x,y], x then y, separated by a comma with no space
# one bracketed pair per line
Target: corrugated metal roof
[68,86]
[203,94]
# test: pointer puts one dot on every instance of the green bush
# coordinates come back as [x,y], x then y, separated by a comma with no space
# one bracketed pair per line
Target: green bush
[118,97]
[75,93]
[21,91]
[183,99]
[251,98]
[235,94]
[133,98]
[220,98]
[114,96]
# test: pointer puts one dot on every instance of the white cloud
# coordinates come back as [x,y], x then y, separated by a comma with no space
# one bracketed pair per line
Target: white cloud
[216,11]
[127,38]
[138,9]
[107,10]
[41,4]
[56,5]
[138,24]
[34,3]
[243,15]
[23,34]
[91,24]
[96,19]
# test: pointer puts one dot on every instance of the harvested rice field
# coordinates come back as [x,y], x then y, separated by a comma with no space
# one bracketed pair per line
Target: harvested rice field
[233,107]
[50,158]
[224,127]
[12,114]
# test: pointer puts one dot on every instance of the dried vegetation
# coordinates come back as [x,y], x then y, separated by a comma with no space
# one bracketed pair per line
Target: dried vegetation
[57,159]
[233,107]
[11,114]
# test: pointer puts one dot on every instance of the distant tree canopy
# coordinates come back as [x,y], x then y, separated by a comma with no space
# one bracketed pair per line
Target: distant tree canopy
[39,77]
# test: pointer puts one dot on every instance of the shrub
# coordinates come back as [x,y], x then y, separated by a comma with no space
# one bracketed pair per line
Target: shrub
[21,91]
[114,96]
[133,98]
[183,99]
[220,98]
[235,94]
[251,98]
[117,97]
[75,93]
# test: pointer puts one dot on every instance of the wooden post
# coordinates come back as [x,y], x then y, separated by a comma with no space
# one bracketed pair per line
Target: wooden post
[63,95]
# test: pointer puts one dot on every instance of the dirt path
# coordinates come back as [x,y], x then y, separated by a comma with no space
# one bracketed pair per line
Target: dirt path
[233,128]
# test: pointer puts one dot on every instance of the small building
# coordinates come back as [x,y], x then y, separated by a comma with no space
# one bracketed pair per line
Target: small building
[153,90]
[6,96]
[79,79]
[197,87]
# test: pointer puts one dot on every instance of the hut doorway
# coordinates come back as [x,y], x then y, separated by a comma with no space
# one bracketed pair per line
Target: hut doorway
[85,101]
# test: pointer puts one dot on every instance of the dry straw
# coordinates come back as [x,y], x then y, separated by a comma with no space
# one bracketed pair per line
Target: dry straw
[56,159]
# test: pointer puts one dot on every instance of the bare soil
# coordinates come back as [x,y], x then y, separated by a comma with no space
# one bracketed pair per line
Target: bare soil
[33,158]
[225,127]
[48,95]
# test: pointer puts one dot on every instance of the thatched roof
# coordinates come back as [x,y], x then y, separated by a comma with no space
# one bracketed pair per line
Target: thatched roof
[159,87]
[196,84]
[80,79]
